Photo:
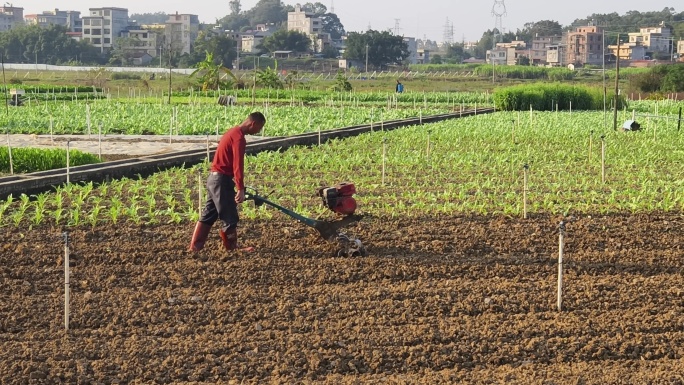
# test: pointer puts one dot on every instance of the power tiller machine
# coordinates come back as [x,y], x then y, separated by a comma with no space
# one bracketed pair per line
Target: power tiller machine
[340,200]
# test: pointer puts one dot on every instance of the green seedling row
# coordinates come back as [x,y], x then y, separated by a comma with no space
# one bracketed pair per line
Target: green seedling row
[196,119]
[471,166]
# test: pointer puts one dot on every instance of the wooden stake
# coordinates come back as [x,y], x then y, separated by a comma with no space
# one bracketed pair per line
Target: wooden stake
[561,246]
[67,162]
[603,159]
[67,288]
[525,176]
[384,158]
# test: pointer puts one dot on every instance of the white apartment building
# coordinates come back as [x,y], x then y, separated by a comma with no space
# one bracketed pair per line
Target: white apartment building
[103,26]
[655,39]
[181,31]
[305,22]
[11,17]
[69,19]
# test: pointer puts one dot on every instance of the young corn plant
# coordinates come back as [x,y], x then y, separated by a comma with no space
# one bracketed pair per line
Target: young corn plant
[39,213]
[4,207]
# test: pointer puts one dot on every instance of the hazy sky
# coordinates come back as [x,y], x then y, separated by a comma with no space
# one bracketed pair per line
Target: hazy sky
[416,18]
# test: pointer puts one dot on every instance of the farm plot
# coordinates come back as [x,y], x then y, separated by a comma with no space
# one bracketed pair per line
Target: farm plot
[456,287]
[196,119]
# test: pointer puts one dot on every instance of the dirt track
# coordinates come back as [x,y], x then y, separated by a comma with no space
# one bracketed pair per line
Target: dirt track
[438,300]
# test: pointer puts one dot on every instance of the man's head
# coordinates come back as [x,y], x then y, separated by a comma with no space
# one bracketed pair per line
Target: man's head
[254,123]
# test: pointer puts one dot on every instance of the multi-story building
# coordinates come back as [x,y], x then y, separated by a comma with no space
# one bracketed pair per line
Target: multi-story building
[181,31]
[555,55]
[657,40]
[412,49]
[540,48]
[250,40]
[508,53]
[628,51]
[142,40]
[423,56]
[306,23]
[585,46]
[69,19]
[11,17]
[103,26]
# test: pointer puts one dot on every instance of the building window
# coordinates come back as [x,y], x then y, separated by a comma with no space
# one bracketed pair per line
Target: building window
[96,40]
[86,21]
[144,36]
[106,40]
[96,32]
[107,31]
[107,22]
[106,12]
[86,31]
[97,22]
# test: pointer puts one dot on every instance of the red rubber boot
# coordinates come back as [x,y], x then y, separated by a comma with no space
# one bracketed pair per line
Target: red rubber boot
[199,236]
[230,240]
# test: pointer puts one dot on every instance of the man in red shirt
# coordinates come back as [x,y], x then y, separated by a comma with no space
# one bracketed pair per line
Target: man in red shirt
[227,173]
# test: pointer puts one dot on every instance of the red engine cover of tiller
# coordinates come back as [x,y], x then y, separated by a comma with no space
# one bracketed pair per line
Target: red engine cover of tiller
[345,206]
[346,189]
[339,198]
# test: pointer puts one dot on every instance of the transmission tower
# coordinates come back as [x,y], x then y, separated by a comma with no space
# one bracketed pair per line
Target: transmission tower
[498,11]
[397,28]
[448,32]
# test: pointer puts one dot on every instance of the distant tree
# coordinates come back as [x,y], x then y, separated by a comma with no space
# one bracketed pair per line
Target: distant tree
[629,22]
[149,18]
[50,45]
[267,11]
[318,9]
[436,59]
[330,52]
[384,48]
[235,7]
[539,28]
[222,48]
[331,24]
[455,53]
[123,51]
[287,41]
[234,22]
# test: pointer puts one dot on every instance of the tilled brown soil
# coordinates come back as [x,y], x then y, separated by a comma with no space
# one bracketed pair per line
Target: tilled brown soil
[437,300]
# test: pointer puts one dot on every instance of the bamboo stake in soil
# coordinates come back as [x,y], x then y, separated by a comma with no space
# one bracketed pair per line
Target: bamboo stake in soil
[525,179]
[384,158]
[67,289]
[561,246]
[603,159]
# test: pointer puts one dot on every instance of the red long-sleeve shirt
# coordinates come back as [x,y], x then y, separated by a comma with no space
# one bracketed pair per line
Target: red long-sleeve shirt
[230,156]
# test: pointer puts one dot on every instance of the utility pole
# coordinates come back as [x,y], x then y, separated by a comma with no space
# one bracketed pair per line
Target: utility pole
[617,79]
[366,58]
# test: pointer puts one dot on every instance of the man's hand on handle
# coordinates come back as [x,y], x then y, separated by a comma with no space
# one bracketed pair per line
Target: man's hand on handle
[240,196]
